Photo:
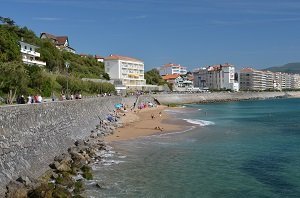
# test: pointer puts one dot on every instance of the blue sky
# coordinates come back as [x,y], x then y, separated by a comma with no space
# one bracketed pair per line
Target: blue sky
[193,33]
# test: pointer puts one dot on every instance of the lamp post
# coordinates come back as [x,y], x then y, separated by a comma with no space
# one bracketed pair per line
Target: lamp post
[67,64]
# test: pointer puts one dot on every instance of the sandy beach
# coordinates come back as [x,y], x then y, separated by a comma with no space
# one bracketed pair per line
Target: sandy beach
[144,122]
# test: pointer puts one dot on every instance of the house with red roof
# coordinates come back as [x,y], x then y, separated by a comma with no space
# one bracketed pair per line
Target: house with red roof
[61,42]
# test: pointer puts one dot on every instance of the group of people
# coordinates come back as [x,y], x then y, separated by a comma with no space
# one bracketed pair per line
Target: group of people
[71,97]
[30,99]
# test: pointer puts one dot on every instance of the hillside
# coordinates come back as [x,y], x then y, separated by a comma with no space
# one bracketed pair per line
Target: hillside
[293,68]
[17,78]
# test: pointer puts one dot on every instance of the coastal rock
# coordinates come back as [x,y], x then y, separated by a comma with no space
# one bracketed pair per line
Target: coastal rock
[24,180]
[63,157]
[16,190]
[64,167]
[101,185]
[79,143]
[54,165]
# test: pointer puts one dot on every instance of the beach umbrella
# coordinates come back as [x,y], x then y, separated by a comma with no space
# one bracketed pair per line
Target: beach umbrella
[118,106]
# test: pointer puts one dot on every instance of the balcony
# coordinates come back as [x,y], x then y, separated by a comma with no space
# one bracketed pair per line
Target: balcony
[33,53]
[33,62]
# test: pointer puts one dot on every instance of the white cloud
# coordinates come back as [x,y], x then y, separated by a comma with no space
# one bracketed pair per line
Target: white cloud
[47,19]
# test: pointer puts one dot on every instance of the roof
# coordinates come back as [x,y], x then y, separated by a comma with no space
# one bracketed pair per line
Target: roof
[118,57]
[248,69]
[170,76]
[59,40]
[50,36]
[171,65]
[34,46]
[99,57]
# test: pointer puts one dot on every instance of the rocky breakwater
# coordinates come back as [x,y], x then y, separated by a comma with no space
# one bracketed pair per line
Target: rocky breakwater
[68,170]
[217,97]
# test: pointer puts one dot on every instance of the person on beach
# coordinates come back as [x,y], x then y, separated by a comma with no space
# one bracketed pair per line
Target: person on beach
[160,114]
[152,116]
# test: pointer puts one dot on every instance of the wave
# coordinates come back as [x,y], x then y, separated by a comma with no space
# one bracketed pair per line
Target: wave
[199,122]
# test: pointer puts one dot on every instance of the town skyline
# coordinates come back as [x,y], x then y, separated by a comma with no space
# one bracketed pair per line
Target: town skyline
[256,34]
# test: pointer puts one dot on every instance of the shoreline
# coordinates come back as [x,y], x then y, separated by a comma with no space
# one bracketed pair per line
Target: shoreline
[140,123]
[135,124]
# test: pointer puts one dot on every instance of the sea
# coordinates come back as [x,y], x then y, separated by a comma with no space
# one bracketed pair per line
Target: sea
[233,149]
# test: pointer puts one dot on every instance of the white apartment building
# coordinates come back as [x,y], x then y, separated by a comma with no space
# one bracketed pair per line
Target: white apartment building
[295,82]
[129,71]
[29,54]
[216,77]
[172,68]
[252,79]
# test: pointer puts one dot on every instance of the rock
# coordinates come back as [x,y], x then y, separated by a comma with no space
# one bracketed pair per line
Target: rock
[101,185]
[64,156]
[54,175]
[16,190]
[54,165]
[24,180]
[64,167]
[93,135]
[79,142]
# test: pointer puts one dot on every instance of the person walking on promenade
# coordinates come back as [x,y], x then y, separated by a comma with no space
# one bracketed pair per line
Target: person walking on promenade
[29,99]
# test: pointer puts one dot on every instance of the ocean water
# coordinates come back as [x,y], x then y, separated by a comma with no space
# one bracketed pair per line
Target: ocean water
[236,149]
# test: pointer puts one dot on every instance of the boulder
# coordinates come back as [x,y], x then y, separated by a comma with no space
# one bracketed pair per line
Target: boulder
[16,190]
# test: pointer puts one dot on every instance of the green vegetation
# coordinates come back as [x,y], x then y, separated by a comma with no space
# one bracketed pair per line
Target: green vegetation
[17,78]
[87,172]
[153,78]
[293,68]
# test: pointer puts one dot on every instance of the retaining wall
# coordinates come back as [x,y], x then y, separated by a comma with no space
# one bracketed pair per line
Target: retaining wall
[31,135]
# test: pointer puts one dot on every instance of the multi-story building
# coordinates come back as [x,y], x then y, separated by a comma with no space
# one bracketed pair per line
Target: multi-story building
[29,54]
[216,77]
[172,68]
[295,83]
[129,71]
[61,42]
[252,79]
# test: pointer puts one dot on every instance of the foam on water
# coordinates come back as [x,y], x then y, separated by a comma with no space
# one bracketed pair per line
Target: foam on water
[199,122]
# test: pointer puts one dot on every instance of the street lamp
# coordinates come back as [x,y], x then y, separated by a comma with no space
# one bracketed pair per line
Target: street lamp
[67,64]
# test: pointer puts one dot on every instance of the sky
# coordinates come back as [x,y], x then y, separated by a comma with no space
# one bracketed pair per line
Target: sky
[192,33]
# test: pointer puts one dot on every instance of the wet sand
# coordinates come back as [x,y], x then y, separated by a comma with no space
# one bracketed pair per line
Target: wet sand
[140,123]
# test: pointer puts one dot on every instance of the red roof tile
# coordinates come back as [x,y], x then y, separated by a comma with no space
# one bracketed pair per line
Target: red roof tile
[170,76]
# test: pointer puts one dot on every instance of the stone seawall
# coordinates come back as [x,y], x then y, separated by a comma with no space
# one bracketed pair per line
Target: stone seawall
[31,135]
[219,97]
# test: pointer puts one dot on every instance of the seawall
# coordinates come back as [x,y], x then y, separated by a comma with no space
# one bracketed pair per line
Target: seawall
[219,97]
[31,135]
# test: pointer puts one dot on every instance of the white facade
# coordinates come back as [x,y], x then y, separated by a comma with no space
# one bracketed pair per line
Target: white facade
[172,69]
[130,71]
[29,54]
[251,79]
[216,77]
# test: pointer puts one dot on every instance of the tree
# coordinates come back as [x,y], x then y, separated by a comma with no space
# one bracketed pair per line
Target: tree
[9,49]
[7,21]
[152,77]
[13,79]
